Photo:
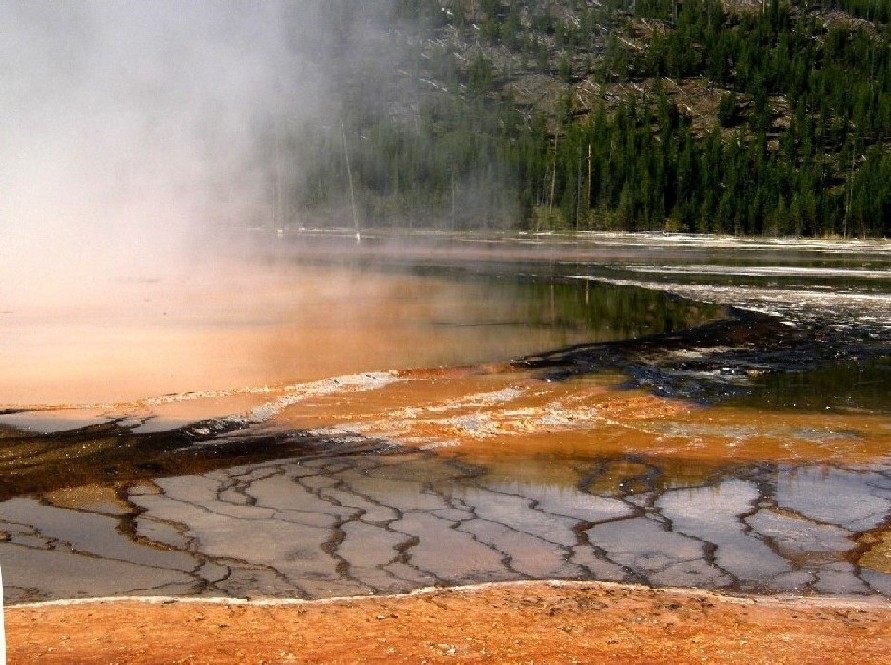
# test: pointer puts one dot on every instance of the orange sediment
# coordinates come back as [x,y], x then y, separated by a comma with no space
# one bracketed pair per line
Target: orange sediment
[536,622]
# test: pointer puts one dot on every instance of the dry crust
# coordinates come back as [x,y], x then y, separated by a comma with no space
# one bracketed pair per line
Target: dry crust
[530,622]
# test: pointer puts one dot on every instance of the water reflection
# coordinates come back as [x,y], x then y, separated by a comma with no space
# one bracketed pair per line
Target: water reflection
[358,423]
[260,324]
[334,525]
[862,385]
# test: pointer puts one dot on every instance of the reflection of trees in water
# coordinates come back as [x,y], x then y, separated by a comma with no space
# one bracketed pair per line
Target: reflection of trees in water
[729,358]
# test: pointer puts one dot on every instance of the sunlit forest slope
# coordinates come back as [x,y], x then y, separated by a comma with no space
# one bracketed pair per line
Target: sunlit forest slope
[747,117]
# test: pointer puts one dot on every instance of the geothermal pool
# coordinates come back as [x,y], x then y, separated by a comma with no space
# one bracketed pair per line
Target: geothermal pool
[319,418]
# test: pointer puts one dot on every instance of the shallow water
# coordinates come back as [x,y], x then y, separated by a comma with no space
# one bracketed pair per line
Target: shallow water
[271,322]
[351,421]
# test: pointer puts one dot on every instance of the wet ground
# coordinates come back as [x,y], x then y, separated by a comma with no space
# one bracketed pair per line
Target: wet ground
[465,412]
[362,525]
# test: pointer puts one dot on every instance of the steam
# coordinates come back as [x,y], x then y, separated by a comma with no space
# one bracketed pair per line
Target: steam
[134,131]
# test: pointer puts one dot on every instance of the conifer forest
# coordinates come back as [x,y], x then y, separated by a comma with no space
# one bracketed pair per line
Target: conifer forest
[744,117]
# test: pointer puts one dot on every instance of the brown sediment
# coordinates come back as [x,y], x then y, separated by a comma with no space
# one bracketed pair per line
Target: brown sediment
[112,456]
[877,555]
[504,623]
[93,497]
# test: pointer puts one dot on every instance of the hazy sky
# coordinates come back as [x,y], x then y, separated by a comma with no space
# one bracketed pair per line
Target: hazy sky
[128,125]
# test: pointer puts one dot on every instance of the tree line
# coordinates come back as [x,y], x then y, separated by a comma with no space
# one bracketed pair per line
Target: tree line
[800,143]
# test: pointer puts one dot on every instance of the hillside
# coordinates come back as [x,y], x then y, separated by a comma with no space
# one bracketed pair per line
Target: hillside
[742,116]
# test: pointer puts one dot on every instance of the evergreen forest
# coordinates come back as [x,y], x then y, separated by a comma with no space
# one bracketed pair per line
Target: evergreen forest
[745,117]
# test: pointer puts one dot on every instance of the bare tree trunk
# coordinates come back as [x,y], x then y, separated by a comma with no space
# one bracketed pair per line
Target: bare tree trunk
[346,156]
[589,175]
[553,178]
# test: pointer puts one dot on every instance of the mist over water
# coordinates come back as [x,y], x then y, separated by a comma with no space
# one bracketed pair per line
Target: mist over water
[132,131]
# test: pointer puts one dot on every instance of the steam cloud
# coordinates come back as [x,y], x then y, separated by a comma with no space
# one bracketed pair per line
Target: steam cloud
[130,129]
